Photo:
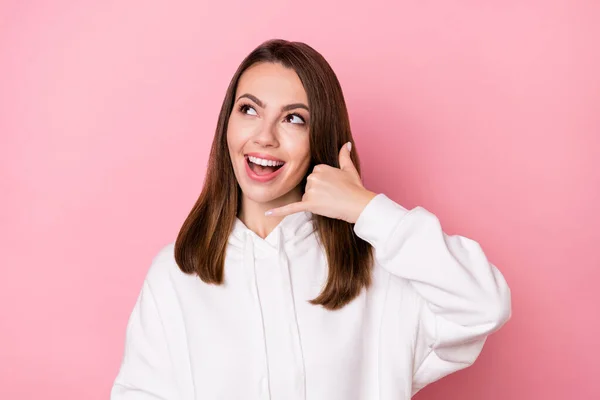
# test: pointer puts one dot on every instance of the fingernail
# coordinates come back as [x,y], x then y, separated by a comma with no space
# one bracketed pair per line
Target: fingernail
[349,145]
[268,212]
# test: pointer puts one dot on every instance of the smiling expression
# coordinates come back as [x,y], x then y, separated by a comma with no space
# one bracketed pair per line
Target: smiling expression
[269,125]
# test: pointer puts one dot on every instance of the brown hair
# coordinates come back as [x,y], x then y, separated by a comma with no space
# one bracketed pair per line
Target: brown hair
[202,241]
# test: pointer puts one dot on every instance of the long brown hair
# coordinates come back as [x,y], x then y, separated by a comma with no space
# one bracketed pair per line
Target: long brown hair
[202,241]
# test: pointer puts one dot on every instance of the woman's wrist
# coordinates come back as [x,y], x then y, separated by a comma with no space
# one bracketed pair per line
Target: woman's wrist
[363,198]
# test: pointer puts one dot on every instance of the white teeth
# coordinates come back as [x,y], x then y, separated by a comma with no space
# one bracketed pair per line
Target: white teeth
[264,162]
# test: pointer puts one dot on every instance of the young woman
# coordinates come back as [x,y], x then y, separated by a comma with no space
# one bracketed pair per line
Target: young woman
[291,280]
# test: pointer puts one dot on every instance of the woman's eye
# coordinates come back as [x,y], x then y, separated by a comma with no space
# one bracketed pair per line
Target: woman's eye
[246,109]
[294,119]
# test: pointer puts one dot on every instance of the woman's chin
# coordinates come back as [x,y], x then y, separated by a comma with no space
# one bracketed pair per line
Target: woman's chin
[261,196]
[269,196]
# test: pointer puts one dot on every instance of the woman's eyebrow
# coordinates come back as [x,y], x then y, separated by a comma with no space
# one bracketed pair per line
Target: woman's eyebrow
[263,105]
[293,106]
[253,98]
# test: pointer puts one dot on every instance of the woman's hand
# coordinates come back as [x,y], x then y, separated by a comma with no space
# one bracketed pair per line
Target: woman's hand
[332,192]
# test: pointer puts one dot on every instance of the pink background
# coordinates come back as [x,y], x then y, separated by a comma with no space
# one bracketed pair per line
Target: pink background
[485,113]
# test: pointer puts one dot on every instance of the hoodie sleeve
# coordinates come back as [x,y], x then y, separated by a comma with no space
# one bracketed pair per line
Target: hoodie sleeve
[465,297]
[145,372]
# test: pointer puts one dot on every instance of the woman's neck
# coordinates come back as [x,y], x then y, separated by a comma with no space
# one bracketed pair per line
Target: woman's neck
[252,213]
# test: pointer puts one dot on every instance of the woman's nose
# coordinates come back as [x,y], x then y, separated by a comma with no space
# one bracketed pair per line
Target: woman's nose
[267,135]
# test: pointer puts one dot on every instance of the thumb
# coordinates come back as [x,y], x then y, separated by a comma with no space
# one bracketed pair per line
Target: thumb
[346,163]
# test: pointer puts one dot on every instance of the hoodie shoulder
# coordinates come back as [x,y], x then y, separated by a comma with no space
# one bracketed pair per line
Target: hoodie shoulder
[162,265]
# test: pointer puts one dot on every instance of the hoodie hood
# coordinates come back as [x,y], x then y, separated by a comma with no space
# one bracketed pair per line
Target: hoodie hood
[290,235]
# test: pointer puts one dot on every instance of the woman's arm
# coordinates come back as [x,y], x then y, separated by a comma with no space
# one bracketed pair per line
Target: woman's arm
[146,371]
[465,297]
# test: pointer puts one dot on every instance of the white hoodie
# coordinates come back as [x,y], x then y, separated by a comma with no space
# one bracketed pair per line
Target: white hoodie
[433,300]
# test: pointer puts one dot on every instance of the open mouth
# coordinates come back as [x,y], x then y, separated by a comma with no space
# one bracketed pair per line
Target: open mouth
[258,167]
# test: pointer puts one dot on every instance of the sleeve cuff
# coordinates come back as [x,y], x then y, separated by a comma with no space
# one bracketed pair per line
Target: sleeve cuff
[376,222]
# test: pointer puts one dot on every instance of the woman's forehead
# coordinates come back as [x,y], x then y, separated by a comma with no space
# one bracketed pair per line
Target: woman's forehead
[272,83]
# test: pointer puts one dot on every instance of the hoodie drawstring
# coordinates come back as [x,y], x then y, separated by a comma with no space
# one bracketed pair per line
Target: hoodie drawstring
[249,265]
[285,265]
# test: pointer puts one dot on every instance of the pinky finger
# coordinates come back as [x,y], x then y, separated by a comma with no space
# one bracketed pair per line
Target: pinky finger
[288,209]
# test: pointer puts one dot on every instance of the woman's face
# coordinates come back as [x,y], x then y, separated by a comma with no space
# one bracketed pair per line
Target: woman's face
[268,134]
